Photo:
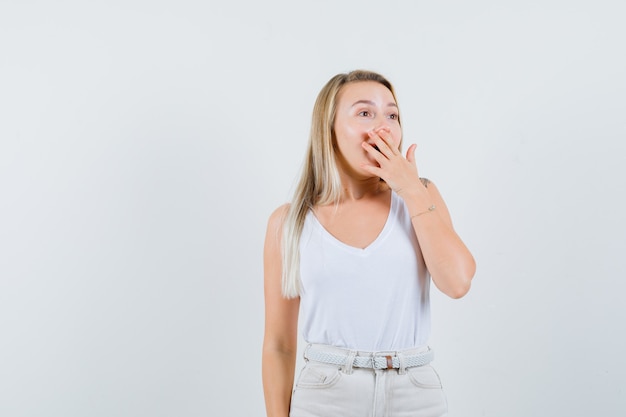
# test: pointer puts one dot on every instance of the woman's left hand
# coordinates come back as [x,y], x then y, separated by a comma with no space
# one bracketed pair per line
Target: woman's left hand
[448,260]
[399,172]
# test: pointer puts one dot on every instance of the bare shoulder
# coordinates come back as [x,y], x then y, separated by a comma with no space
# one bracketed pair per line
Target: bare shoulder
[281,211]
[278,216]
[430,185]
[274,230]
[437,199]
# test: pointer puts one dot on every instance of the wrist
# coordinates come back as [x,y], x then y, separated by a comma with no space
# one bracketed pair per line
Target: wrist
[430,209]
[411,194]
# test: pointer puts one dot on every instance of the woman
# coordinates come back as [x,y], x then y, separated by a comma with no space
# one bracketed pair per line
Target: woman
[353,255]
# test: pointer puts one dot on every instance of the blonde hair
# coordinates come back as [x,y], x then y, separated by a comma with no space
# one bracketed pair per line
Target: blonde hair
[319,181]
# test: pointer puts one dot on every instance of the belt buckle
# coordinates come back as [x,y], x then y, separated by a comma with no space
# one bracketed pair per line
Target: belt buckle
[389,362]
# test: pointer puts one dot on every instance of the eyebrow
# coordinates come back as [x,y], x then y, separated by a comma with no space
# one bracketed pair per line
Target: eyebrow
[371,103]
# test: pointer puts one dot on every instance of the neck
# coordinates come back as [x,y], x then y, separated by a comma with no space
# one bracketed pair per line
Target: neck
[356,189]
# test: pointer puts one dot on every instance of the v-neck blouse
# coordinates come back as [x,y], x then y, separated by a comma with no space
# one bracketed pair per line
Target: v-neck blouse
[372,246]
[370,299]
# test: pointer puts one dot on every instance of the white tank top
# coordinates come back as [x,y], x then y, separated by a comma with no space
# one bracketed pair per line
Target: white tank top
[372,299]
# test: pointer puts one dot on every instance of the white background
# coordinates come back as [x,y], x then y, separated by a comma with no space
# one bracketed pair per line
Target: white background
[143,144]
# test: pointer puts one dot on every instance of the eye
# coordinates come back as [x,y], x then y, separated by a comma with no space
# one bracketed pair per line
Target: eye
[364,113]
[393,116]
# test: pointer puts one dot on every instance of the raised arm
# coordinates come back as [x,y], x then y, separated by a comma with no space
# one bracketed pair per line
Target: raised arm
[450,263]
[281,322]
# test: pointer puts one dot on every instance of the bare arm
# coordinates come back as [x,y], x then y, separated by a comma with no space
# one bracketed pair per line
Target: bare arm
[450,263]
[281,322]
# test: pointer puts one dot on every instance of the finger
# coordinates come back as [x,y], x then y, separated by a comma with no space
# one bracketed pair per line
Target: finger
[381,143]
[385,134]
[375,152]
[410,153]
[374,170]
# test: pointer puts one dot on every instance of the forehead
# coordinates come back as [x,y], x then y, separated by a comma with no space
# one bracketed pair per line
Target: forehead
[364,90]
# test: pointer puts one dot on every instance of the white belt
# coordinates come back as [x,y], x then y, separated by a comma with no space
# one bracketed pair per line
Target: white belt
[376,361]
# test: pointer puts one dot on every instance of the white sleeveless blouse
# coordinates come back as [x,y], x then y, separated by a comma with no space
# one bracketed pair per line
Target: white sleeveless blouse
[372,299]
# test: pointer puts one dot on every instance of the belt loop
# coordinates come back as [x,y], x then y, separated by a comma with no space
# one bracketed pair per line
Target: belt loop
[402,363]
[347,367]
[306,349]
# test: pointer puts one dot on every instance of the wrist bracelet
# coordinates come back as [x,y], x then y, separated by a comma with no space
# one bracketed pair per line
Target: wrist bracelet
[431,208]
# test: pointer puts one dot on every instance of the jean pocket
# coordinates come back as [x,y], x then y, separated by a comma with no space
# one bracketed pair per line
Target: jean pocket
[424,377]
[318,376]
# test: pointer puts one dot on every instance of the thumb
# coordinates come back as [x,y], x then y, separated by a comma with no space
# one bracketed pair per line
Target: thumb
[410,153]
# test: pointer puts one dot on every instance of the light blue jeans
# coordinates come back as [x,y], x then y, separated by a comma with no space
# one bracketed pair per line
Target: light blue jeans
[324,390]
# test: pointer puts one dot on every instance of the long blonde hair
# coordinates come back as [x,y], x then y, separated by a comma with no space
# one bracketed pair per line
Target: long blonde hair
[319,181]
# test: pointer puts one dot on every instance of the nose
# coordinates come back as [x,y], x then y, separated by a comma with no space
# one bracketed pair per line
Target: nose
[382,122]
